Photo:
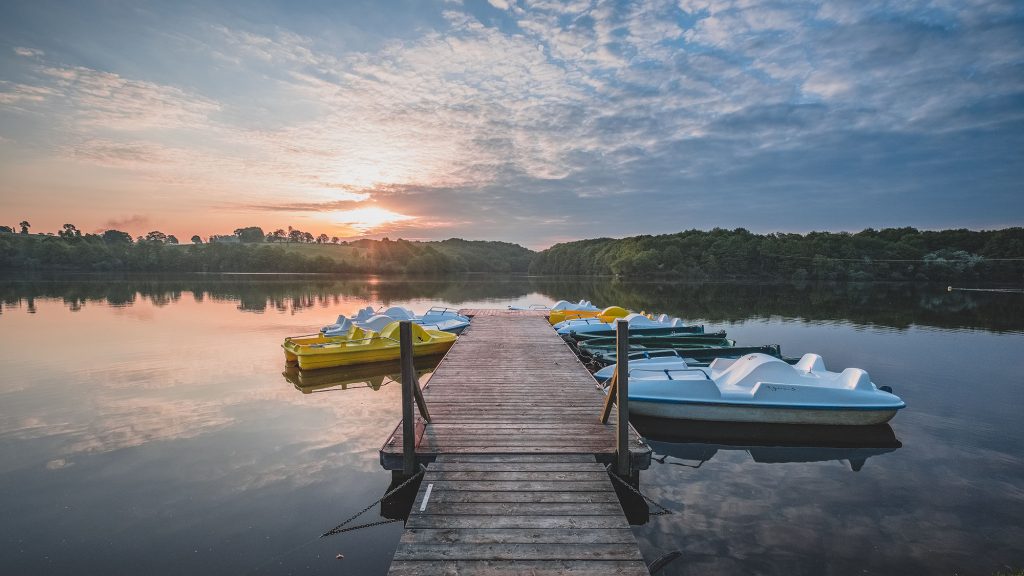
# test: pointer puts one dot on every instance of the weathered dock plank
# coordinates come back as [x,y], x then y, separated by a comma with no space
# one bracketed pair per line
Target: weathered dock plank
[481,522]
[533,568]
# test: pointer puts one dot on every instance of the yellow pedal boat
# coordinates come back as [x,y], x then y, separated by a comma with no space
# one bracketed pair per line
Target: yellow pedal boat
[609,314]
[314,352]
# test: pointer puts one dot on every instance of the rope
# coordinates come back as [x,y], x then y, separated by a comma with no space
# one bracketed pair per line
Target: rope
[663,510]
[341,527]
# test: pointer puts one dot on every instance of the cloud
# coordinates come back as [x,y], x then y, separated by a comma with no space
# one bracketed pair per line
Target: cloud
[134,221]
[119,154]
[12,94]
[328,206]
[28,52]
[112,102]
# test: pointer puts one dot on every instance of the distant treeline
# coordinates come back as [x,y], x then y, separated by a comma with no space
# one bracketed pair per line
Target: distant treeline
[117,251]
[893,254]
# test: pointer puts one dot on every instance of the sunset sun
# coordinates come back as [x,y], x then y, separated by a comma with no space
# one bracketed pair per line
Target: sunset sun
[366,219]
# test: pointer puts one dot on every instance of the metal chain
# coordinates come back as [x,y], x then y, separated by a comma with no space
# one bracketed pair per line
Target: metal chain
[359,527]
[637,492]
[339,528]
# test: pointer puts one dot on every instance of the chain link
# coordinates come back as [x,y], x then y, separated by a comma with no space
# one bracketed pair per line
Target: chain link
[341,527]
[359,527]
[620,480]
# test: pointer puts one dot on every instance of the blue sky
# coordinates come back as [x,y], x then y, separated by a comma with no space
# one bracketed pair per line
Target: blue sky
[532,122]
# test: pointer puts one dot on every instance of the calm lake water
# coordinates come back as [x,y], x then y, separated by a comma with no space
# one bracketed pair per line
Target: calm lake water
[149,426]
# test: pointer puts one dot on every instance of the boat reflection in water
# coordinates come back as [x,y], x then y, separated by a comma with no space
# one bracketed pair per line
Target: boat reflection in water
[351,377]
[693,443]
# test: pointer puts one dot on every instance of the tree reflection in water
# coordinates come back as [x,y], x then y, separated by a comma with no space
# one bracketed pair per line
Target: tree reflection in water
[891,305]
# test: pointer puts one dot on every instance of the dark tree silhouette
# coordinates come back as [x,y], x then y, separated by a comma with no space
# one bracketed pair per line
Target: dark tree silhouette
[250,234]
[69,231]
[24,226]
[117,237]
[196,239]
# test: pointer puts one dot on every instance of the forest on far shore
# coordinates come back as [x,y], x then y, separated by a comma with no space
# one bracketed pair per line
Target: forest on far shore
[891,254]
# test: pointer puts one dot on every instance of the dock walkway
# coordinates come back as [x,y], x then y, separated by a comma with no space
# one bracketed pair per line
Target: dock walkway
[517,453]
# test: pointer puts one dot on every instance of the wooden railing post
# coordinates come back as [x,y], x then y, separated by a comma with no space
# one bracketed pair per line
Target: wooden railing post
[408,395]
[622,395]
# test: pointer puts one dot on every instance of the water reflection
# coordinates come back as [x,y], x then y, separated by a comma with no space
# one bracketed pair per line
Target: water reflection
[754,434]
[159,427]
[372,376]
[897,306]
[692,444]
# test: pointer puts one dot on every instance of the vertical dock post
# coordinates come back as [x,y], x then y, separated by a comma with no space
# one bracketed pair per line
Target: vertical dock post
[408,395]
[622,398]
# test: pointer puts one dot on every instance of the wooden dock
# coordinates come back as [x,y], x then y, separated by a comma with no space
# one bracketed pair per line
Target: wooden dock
[516,459]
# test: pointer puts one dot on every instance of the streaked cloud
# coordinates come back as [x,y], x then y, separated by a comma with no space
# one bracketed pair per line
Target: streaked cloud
[104,100]
[329,206]
[133,221]
[28,52]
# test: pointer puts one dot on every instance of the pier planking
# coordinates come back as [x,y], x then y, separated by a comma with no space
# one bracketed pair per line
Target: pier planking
[516,460]
[511,385]
[559,516]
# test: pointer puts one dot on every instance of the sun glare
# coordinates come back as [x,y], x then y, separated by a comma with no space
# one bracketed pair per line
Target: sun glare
[367,219]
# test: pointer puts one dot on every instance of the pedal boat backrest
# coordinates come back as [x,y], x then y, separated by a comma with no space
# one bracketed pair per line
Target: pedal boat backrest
[610,313]
[399,313]
[379,322]
[339,328]
[419,333]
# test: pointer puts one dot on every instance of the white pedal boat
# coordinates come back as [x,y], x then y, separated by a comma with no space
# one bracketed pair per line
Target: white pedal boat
[757,388]
[437,318]
[638,324]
